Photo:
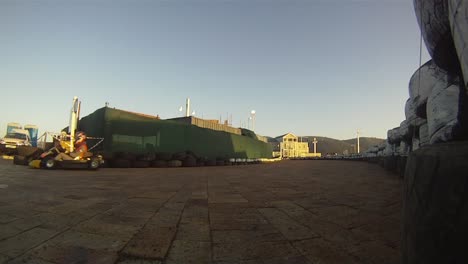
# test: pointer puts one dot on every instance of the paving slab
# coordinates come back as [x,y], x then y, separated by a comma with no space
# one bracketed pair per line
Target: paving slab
[194,232]
[114,226]
[318,250]
[291,229]
[190,252]
[19,244]
[289,212]
[17,226]
[150,243]
[73,254]
[73,238]
[265,233]
[130,260]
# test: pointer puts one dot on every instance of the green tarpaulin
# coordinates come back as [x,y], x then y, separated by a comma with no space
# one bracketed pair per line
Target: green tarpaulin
[130,132]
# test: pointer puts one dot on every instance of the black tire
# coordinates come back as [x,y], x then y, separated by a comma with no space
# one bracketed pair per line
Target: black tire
[179,156]
[435,205]
[94,164]
[210,163]
[49,163]
[390,163]
[164,156]
[191,153]
[174,163]
[433,17]
[20,160]
[140,164]
[129,156]
[121,163]
[159,164]
[401,166]
[25,150]
[189,162]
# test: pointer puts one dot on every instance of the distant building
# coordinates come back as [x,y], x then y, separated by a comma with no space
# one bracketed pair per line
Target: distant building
[215,124]
[212,124]
[289,146]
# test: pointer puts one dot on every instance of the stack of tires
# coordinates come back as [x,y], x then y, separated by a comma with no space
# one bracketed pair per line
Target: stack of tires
[26,154]
[435,211]
[164,160]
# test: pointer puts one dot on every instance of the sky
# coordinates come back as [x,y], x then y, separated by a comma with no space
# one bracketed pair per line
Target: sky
[310,67]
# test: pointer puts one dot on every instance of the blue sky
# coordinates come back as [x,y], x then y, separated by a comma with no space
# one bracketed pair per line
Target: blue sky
[310,67]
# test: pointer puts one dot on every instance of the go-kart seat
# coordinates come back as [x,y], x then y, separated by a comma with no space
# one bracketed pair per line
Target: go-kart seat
[87,155]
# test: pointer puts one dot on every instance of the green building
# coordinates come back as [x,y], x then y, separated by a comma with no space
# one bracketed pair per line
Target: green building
[125,131]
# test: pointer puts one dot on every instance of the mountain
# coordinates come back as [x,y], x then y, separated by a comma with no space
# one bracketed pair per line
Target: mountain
[365,142]
[330,145]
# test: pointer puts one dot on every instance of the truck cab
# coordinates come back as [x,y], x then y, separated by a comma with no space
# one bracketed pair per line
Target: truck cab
[14,138]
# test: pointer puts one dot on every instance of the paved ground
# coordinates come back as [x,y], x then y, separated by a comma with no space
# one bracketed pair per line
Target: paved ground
[288,212]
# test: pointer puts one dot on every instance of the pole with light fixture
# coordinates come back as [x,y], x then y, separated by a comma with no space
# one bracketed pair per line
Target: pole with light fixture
[358,141]
[252,115]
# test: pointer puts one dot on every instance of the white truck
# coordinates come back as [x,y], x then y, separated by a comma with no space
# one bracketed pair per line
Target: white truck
[16,137]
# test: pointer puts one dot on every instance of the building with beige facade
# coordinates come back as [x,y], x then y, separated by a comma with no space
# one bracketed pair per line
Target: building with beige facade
[290,146]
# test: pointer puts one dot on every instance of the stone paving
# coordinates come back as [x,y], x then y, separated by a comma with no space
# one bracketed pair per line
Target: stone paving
[287,212]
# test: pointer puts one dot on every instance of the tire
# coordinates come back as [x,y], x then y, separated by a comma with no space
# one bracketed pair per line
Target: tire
[20,160]
[164,156]
[48,163]
[433,17]
[159,164]
[94,164]
[210,163]
[174,163]
[189,162]
[25,150]
[179,156]
[140,164]
[390,163]
[401,166]
[435,205]
[121,163]
[129,156]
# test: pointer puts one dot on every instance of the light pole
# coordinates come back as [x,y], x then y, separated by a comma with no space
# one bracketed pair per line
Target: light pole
[315,145]
[187,107]
[252,115]
[180,110]
[358,141]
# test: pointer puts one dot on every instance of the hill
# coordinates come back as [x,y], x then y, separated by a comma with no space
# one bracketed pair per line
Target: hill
[330,145]
[365,142]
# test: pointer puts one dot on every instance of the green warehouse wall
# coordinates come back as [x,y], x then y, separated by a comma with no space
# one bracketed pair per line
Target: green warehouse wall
[130,132]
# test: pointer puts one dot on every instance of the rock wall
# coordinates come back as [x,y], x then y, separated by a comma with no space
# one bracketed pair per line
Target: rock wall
[437,108]
[435,205]
[435,200]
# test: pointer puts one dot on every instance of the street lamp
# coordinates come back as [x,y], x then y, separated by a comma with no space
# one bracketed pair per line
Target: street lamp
[252,116]
[180,110]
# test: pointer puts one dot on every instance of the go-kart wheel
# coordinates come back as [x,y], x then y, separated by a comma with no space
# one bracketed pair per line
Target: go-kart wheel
[48,163]
[94,164]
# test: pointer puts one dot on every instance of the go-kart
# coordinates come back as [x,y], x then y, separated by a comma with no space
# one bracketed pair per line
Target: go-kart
[47,160]
[89,161]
